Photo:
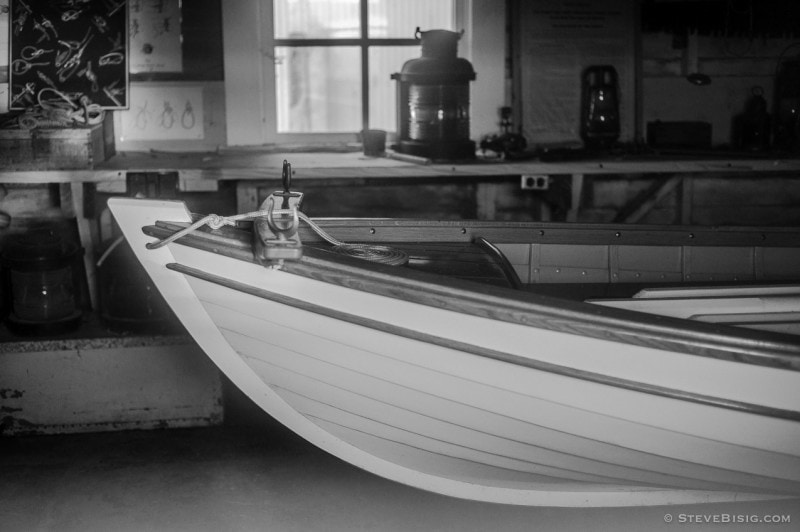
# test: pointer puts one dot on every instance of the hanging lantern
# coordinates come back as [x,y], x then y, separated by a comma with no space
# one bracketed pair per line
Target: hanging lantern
[44,289]
[433,100]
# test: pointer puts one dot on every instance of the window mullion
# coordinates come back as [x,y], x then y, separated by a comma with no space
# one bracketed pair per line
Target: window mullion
[364,64]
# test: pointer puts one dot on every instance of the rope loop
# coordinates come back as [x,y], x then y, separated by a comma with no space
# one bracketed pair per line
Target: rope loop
[369,252]
[215,221]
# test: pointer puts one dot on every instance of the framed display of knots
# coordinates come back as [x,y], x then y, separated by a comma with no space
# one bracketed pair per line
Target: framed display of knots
[73,51]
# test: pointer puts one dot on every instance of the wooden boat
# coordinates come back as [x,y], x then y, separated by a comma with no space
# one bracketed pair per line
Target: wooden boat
[477,368]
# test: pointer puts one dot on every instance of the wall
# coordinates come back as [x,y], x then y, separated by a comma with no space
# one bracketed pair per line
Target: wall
[734,64]
[175,92]
[233,114]
[554,42]
[492,86]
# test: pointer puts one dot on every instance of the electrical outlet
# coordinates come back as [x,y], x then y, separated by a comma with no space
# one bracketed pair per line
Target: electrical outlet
[535,182]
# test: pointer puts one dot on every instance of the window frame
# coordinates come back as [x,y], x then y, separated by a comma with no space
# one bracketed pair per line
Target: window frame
[267,46]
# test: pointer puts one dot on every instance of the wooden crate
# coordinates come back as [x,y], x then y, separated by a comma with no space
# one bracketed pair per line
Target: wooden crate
[56,148]
[100,384]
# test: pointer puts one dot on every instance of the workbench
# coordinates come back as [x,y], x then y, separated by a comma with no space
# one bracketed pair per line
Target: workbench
[255,169]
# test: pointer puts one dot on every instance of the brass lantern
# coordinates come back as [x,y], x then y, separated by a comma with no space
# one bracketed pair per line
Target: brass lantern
[433,100]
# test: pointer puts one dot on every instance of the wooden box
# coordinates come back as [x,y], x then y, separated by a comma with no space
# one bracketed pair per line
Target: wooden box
[75,148]
[101,384]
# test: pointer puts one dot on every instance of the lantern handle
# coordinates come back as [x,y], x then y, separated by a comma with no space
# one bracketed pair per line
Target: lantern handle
[418,33]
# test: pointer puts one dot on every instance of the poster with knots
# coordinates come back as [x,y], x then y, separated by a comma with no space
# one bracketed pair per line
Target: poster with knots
[72,52]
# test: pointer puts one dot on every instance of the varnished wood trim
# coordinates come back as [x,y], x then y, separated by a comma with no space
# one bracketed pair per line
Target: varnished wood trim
[487,353]
[397,230]
[402,230]
[515,306]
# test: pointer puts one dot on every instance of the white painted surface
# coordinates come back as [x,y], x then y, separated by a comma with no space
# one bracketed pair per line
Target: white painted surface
[687,307]
[92,389]
[522,436]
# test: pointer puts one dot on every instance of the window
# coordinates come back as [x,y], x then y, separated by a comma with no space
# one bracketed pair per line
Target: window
[333,60]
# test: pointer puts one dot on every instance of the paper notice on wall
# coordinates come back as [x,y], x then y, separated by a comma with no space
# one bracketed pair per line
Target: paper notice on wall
[155,36]
[559,40]
[163,113]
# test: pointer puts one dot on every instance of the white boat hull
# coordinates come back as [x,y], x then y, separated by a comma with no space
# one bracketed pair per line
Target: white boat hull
[474,407]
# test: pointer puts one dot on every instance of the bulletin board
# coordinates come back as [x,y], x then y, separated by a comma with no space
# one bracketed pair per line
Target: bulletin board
[79,49]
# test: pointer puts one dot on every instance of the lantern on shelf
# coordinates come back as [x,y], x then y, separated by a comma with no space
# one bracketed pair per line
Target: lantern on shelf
[433,100]
[600,125]
[44,287]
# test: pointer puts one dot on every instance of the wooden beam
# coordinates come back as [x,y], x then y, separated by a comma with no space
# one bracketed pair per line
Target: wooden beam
[577,194]
[643,203]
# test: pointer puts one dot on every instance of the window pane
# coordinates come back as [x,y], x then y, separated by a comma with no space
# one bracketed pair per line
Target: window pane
[317,19]
[318,89]
[399,19]
[383,62]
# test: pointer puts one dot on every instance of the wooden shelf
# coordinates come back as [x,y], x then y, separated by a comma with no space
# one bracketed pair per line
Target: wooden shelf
[248,164]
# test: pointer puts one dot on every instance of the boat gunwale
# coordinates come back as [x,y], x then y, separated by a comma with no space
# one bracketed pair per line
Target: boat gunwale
[497,232]
[764,348]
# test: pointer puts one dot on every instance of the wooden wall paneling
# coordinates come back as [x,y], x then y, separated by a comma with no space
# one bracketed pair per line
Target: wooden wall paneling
[639,264]
[638,207]
[776,263]
[711,263]
[568,263]
[413,200]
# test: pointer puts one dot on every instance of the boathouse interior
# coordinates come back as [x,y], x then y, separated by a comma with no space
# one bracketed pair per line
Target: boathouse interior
[639,112]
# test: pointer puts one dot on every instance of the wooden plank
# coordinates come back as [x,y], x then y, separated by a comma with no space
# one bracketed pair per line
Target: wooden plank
[555,233]
[651,263]
[777,263]
[577,195]
[716,263]
[39,149]
[643,203]
[486,195]
[686,200]
[72,202]
[524,362]
[263,165]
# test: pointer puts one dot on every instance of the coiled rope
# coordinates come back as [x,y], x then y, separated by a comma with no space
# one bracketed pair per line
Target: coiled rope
[371,252]
[57,110]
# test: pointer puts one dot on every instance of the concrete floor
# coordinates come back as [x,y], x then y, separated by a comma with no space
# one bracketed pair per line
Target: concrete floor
[253,475]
